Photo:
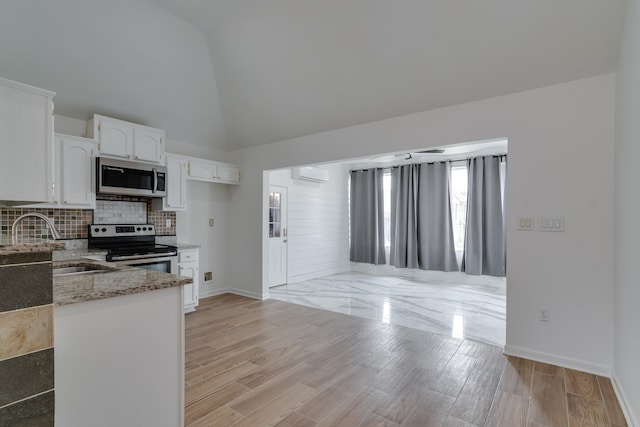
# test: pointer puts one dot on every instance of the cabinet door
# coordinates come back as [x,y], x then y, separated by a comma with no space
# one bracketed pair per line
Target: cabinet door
[115,138]
[190,290]
[202,170]
[229,173]
[176,184]
[76,172]
[148,144]
[26,143]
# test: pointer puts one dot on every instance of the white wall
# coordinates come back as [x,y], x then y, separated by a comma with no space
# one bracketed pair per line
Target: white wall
[70,126]
[560,163]
[627,312]
[204,201]
[128,59]
[318,224]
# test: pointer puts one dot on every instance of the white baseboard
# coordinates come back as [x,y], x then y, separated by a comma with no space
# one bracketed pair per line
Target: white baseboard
[241,292]
[632,419]
[554,359]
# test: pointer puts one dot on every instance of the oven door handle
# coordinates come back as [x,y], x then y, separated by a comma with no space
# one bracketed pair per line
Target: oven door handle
[147,256]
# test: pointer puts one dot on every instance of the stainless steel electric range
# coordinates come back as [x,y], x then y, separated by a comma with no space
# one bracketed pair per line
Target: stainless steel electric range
[133,244]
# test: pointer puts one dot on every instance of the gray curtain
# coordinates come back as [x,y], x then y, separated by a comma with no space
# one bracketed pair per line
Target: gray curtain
[435,229]
[367,216]
[404,216]
[484,245]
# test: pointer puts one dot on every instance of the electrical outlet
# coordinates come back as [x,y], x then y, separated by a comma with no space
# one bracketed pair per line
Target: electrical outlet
[167,222]
[543,315]
[208,276]
[210,222]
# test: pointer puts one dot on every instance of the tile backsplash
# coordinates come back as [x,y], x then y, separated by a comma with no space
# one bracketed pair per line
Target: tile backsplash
[117,212]
[72,223]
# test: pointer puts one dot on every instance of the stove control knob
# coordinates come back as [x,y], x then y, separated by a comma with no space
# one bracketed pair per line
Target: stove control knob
[150,228]
[96,229]
[138,229]
[104,230]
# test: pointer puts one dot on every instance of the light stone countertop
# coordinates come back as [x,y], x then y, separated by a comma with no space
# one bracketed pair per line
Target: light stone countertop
[7,248]
[119,280]
[69,254]
[187,246]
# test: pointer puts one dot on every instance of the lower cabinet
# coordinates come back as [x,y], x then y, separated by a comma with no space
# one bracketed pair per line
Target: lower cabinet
[188,267]
[120,361]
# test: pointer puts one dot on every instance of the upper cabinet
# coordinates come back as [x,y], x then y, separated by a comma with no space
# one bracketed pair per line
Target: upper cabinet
[74,166]
[26,143]
[211,171]
[176,199]
[117,138]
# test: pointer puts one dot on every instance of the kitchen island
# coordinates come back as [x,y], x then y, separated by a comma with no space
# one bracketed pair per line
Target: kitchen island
[119,340]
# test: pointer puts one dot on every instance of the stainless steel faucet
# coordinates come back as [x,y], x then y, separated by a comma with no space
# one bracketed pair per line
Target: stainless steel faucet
[52,228]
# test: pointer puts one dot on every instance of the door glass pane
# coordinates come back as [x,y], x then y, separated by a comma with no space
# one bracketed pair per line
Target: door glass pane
[275,199]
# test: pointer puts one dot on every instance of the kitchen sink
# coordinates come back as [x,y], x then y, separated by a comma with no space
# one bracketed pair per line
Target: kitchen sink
[81,269]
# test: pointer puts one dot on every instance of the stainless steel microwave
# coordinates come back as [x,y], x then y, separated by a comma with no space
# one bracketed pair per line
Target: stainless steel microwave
[130,178]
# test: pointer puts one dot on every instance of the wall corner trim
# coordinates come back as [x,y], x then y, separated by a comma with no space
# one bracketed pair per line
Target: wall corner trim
[631,417]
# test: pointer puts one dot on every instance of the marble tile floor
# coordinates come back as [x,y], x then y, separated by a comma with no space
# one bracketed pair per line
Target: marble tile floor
[452,304]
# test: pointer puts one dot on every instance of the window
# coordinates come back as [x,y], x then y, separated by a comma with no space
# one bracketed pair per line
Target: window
[459,203]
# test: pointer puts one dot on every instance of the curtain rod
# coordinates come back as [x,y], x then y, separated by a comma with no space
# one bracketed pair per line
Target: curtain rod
[432,162]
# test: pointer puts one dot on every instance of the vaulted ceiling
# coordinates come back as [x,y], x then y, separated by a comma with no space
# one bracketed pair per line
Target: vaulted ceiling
[238,73]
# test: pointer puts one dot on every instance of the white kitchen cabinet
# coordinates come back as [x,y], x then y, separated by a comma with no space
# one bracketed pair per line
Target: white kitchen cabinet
[176,199]
[211,171]
[26,143]
[148,144]
[202,170]
[121,139]
[228,173]
[120,361]
[75,167]
[74,173]
[188,261]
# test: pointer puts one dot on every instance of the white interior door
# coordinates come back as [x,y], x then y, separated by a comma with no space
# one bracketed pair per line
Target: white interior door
[277,230]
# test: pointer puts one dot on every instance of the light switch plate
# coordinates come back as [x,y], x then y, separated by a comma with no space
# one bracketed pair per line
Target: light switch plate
[526,224]
[551,223]
[210,222]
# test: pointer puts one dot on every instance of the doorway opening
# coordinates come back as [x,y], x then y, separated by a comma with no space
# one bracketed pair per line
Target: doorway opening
[321,275]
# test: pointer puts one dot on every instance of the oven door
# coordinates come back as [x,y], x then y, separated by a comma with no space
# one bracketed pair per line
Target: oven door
[166,264]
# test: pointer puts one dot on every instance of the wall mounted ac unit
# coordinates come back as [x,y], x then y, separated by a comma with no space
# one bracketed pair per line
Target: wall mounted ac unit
[310,173]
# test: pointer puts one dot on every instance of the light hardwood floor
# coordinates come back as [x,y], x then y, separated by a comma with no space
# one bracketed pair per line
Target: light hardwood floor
[260,363]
